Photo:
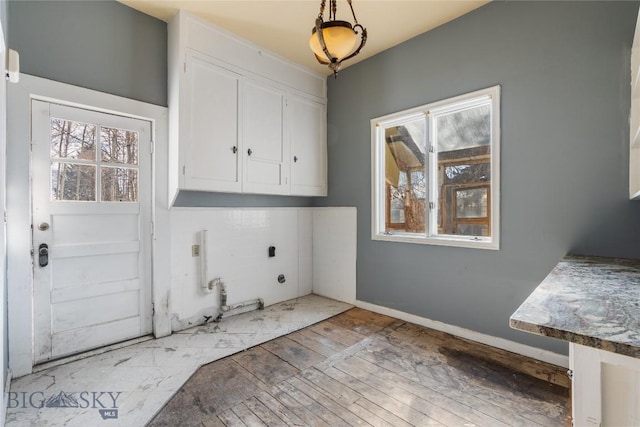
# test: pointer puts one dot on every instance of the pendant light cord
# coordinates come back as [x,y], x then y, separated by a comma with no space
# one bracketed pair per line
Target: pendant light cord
[322,5]
[355,20]
[334,10]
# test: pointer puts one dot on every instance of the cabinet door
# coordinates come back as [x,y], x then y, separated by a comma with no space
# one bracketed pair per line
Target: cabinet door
[308,147]
[263,136]
[210,132]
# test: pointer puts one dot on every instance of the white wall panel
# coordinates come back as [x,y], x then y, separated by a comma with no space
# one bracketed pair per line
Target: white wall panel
[305,251]
[334,253]
[237,252]
[315,250]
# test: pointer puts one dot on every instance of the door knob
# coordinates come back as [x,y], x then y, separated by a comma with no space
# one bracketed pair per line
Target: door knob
[43,255]
[249,151]
[43,226]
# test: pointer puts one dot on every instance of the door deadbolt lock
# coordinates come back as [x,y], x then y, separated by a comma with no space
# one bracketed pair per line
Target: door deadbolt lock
[43,255]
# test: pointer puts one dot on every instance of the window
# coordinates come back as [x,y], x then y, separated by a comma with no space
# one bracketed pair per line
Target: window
[436,172]
[74,162]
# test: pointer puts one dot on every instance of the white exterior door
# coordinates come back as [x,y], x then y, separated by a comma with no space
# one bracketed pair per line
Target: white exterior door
[91,213]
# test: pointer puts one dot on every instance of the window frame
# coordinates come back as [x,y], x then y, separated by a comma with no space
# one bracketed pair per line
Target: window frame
[429,112]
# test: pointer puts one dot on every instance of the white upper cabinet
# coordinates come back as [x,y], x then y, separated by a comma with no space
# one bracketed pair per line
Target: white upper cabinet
[263,137]
[308,147]
[241,119]
[209,128]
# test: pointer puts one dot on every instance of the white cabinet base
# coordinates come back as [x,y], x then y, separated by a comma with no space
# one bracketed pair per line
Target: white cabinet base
[606,387]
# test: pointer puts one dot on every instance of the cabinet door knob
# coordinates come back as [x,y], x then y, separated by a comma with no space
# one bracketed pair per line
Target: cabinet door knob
[234,149]
[249,152]
[295,158]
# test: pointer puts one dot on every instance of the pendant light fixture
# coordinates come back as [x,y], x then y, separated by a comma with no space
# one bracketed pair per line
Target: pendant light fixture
[335,41]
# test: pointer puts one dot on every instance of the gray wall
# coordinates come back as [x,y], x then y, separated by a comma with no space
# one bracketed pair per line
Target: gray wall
[564,72]
[101,45]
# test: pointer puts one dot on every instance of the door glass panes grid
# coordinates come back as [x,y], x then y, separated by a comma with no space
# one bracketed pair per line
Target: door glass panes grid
[81,173]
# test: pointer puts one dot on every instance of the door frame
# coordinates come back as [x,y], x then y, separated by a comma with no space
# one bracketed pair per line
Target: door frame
[19,236]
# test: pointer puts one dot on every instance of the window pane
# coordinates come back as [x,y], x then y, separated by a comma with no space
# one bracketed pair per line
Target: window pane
[73,140]
[405,176]
[119,184]
[471,203]
[419,184]
[464,129]
[473,230]
[119,146]
[397,207]
[463,141]
[466,173]
[71,181]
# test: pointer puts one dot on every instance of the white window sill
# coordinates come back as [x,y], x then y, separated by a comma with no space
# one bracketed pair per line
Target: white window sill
[454,241]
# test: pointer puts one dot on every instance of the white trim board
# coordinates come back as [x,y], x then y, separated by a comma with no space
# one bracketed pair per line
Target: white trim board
[5,403]
[512,346]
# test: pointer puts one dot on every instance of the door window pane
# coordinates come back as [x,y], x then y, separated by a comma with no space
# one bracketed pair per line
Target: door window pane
[471,203]
[119,146]
[73,140]
[396,200]
[473,230]
[119,184]
[73,182]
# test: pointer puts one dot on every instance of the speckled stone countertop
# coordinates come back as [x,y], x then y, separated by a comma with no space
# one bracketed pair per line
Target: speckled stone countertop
[591,301]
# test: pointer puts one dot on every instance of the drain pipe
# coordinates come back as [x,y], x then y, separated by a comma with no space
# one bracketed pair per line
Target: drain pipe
[224,308]
[207,286]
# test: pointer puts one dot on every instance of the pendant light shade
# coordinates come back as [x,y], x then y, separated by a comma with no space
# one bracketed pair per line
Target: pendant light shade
[334,41]
[339,38]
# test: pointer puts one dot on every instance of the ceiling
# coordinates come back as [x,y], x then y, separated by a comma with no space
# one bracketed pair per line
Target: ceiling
[284,26]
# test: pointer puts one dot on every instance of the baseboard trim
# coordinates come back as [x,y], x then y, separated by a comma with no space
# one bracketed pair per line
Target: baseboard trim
[508,345]
[7,389]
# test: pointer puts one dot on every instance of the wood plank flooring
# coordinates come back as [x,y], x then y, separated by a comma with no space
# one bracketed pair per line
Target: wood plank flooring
[364,369]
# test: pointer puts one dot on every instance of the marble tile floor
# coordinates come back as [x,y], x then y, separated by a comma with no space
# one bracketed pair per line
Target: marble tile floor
[128,386]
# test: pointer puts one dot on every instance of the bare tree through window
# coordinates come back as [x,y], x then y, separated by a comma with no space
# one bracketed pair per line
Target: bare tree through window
[76,168]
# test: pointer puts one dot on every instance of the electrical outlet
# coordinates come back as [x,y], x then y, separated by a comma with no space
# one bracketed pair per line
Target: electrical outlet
[195,250]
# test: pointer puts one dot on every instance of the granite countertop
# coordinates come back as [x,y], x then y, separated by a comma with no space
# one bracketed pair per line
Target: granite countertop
[592,301]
